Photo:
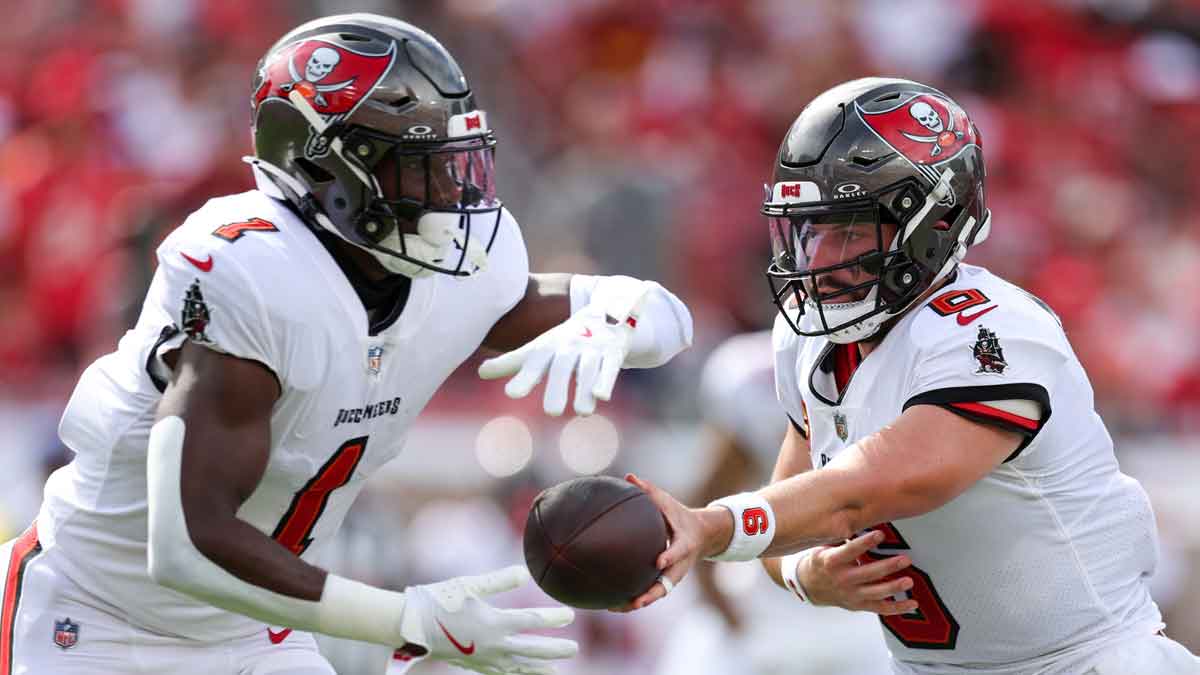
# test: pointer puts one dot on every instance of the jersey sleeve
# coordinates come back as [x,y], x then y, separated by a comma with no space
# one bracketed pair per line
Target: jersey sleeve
[786,344]
[1000,372]
[209,298]
[507,275]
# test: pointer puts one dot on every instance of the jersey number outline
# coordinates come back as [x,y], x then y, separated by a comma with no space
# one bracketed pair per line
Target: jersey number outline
[953,302]
[231,232]
[931,626]
[295,528]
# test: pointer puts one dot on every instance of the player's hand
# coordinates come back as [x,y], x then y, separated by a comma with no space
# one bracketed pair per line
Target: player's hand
[592,343]
[687,534]
[453,621]
[832,575]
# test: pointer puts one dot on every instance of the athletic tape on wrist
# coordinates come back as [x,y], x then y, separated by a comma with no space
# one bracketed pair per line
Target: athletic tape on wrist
[789,568]
[753,526]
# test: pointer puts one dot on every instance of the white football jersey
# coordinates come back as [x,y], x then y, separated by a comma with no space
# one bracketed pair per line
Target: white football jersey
[1048,555]
[246,277]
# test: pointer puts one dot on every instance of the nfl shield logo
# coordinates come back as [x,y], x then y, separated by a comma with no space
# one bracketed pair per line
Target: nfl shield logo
[374,359]
[66,633]
[839,425]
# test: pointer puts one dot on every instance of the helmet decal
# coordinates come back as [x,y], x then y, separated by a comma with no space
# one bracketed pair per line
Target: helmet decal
[334,79]
[926,129]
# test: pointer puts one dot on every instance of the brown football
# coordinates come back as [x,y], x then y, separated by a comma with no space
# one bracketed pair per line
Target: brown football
[591,542]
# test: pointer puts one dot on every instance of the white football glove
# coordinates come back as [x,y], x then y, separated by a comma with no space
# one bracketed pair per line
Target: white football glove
[452,620]
[592,343]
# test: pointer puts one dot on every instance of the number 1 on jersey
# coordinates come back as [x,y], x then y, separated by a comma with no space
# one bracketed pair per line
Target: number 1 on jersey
[295,528]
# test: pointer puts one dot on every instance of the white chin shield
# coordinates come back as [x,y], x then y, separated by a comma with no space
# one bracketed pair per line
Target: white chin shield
[438,242]
[845,312]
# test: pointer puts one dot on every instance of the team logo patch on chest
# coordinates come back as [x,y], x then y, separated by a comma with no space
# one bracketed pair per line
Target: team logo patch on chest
[195,315]
[66,633]
[988,353]
[840,426]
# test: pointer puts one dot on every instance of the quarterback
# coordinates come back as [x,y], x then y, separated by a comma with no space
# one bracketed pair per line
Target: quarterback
[289,338]
[940,421]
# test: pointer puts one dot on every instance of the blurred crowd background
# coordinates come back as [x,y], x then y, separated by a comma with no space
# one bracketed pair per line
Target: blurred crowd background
[635,137]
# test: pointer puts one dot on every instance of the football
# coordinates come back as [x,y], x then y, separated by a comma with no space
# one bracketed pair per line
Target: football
[591,542]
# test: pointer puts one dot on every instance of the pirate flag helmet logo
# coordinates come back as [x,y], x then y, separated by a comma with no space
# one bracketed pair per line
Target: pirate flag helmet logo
[925,128]
[332,78]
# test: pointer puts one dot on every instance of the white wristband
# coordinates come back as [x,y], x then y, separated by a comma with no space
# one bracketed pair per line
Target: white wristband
[361,612]
[753,526]
[789,568]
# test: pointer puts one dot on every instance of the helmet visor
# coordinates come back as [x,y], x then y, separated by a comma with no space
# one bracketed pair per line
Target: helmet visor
[456,177]
[836,253]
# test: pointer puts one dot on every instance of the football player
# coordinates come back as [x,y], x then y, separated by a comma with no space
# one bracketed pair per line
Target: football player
[940,418]
[289,338]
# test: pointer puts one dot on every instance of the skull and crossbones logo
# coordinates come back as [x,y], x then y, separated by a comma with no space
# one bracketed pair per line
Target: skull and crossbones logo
[320,64]
[944,132]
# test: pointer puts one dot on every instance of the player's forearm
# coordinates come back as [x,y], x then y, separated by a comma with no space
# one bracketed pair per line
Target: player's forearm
[341,607]
[859,489]
[546,304]
[248,554]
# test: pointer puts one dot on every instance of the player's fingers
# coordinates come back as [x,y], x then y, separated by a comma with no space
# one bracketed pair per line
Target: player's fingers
[651,596]
[506,364]
[610,367]
[538,618]
[851,550]
[878,569]
[558,382]
[507,579]
[890,607]
[585,382]
[530,374]
[886,589]
[541,647]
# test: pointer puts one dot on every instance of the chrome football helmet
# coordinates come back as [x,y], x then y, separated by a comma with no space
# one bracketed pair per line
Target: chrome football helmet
[876,195]
[367,126]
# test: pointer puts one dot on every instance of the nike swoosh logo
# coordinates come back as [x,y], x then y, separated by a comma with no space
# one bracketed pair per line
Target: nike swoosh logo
[587,332]
[276,638]
[468,650]
[204,266]
[964,318]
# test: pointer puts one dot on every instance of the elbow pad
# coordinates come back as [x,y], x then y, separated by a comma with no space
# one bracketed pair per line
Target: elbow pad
[662,324]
